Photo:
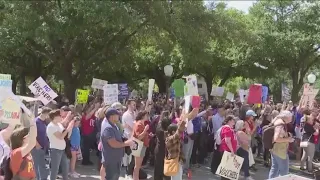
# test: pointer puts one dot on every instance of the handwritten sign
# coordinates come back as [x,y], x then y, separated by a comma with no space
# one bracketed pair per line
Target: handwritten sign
[308,96]
[217,91]
[230,166]
[110,93]
[98,83]
[191,86]
[230,96]
[5,76]
[42,90]
[5,84]
[10,111]
[82,96]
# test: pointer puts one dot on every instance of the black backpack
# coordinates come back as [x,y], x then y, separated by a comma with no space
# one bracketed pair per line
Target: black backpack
[268,134]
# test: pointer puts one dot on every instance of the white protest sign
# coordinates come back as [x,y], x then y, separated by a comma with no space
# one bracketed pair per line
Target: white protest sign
[5,76]
[42,90]
[230,96]
[230,166]
[136,149]
[98,83]
[217,91]
[191,86]
[150,89]
[290,177]
[110,93]
[5,84]
[309,94]
[241,94]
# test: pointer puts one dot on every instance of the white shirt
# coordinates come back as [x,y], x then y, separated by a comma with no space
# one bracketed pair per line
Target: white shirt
[55,142]
[128,120]
[4,149]
[217,122]
[190,127]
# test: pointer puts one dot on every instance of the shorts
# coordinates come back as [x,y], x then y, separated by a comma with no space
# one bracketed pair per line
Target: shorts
[75,148]
[142,152]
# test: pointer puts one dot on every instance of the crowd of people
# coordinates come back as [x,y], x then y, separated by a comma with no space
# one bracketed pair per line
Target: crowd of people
[186,138]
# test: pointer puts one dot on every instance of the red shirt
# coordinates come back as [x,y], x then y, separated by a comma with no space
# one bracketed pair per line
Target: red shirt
[138,128]
[87,125]
[227,132]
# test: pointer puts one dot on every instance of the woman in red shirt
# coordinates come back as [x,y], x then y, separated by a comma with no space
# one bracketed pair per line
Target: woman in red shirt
[140,131]
[228,136]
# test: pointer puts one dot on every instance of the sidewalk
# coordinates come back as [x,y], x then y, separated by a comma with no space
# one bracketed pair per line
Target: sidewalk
[294,167]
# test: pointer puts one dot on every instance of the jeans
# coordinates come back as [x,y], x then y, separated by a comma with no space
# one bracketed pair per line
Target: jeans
[187,151]
[245,165]
[112,171]
[178,176]
[279,166]
[38,156]
[58,157]
[308,153]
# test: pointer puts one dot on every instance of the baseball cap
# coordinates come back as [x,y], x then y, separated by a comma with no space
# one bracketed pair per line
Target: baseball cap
[111,112]
[117,105]
[251,113]
[65,108]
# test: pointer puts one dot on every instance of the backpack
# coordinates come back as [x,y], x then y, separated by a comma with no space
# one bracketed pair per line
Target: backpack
[217,136]
[268,134]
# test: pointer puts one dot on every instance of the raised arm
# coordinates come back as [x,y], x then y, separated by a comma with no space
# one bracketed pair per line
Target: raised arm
[32,137]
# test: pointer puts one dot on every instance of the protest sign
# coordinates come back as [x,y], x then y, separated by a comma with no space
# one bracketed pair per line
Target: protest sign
[191,86]
[123,91]
[5,76]
[308,96]
[5,84]
[178,86]
[241,94]
[82,96]
[98,83]
[10,111]
[230,166]
[150,89]
[255,94]
[285,93]
[42,90]
[230,96]
[217,91]
[110,93]
[265,93]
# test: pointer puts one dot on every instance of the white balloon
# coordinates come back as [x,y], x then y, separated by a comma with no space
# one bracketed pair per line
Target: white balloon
[311,78]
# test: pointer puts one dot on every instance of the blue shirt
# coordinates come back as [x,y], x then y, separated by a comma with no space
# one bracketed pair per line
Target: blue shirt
[75,137]
[42,138]
[196,124]
[216,122]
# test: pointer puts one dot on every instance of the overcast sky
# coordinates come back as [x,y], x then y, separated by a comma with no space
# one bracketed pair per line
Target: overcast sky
[241,5]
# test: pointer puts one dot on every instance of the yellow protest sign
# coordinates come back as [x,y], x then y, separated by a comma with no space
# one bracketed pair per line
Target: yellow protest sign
[10,111]
[82,96]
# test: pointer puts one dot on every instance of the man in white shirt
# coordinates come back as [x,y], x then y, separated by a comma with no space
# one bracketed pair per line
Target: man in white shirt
[217,119]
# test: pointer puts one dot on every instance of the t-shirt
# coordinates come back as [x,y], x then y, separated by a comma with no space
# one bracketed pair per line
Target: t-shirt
[4,149]
[55,142]
[308,131]
[111,155]
[190,128]
[15,163]
[87,125]
[138,129]
[128,119]
[75,137]
[41,133]
[227,132]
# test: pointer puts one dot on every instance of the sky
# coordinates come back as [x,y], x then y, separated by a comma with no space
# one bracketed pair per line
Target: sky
[240,5]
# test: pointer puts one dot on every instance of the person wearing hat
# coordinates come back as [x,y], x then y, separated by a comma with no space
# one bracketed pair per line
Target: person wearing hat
[113,146]
[250,131]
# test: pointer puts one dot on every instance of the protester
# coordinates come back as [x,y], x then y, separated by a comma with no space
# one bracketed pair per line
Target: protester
[75,140]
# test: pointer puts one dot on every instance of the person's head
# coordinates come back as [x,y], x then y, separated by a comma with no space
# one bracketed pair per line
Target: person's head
[77,121]
[64,111]
[112,115]
[164,123]
[164,115]
[131,104]
[142,116]
[55,116]
[221,110]
[309,119]
[239,125]
[72,108]
[286,116]
[100,113]
[45,113]
[250,115]
[118,106]
[172,128]
[18,136]
[230,121]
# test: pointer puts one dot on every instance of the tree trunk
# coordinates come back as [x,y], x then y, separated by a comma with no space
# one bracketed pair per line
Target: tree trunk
[297,83]
[162,84]
[208,80]
[70,83]
[14,84]
[225,77]
[23,84]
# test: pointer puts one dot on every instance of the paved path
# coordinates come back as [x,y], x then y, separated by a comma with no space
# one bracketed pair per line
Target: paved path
[202,173]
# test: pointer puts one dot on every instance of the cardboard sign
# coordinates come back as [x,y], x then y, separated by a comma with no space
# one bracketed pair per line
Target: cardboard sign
[265,93]
[137,147]
[43,91]
[10,111]
[242,95]
[230,166]
[150,89]
[309,94]
[285,93]
[110,93]
[230,96]
[82,96]
[178,86]
[98,83]
[191,86]
[255,94]
[5,84]
[217,91]
[195,101]
[5,76]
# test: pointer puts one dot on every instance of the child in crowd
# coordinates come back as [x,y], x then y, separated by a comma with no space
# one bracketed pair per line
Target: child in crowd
[75,139]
